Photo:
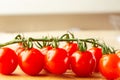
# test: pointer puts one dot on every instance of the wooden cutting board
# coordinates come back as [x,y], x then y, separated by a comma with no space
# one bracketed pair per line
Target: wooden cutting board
[69,75]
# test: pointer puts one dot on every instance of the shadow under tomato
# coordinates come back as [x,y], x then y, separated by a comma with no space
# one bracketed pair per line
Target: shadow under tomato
[10,74]
[94,75]
[39,75]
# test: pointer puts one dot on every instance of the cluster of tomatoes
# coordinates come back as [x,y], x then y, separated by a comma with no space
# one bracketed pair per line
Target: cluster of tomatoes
[57,60]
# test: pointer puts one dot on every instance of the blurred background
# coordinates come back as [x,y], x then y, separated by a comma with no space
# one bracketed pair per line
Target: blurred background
[44,15]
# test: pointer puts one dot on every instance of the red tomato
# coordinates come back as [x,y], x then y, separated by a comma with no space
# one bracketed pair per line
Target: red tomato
[56,61]
[45,49]
[31,61]
[8,60]
[82,63]
[97,53]
[71,48]
[19,50]
[109,66]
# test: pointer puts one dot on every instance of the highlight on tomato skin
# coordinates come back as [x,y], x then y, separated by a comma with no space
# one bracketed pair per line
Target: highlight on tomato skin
[8,61]
[97,53]
[71,47]
[82,63]
[19,50]
[31,61]
[45,49]
[56,61]
[109,66]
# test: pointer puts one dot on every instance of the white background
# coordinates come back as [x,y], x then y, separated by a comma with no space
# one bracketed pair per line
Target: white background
[8,7]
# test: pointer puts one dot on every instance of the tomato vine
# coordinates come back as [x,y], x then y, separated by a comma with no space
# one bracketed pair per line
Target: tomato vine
[74,55]
[68,37]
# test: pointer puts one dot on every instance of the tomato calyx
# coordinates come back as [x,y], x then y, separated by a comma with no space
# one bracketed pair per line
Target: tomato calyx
[68,35]
[44,43]
[27,44]
[82,46]
[107,50]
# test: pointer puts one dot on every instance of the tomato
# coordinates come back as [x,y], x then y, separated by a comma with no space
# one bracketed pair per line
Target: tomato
[82,63]
[97,53]
[71,47]
[109,66]
[31,61]
[56,61]
[8,60]
[19,50]
[45,49]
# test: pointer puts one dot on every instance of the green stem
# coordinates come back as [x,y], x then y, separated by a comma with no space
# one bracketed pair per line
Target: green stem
[10,42]
[48,40]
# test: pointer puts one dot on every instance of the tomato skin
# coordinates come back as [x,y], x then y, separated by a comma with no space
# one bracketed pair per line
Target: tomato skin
[19,50]
[8,61]
[56,61]
[71,47]
[97,53]
[31,61]
[82,63]
[45,49]
[109,66]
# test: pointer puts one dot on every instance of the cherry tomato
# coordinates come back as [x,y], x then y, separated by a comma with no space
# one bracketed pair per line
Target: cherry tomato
[109,66]
[45,49]
[31,61]
[8,60]
[56,61]
[19,50]
[82,63]
[71,47]
[97,53]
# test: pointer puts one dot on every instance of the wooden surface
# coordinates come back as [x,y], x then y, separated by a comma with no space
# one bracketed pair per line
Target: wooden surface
[30,23]
[19,75]
[109,37]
